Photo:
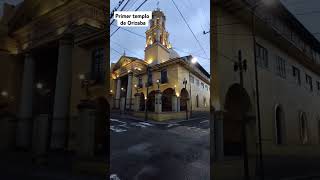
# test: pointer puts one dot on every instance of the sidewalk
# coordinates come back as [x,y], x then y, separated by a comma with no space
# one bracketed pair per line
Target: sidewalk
[21,165]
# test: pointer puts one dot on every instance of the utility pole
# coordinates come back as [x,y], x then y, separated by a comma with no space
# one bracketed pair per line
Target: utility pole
[185,82]
[253,10]
[242,66]
[147,95]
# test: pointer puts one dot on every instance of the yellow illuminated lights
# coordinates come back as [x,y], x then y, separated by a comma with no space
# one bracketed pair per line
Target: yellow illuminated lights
[150,61]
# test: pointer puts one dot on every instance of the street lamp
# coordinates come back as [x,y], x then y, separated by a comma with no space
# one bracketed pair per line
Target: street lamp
[158,83]
[194,60]
[39,85]
[136,87]
[4,93]
[85,83]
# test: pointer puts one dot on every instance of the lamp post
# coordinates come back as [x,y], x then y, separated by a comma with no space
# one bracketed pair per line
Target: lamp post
[158,83]
[241,66]
[47,92]
[185,82]
[193,61]
[85,84]
[147,95]
[253,30]
[136,87]
[125,99]
[5,104]
[146,99]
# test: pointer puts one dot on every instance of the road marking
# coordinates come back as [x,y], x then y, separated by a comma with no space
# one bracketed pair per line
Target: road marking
[117,130]
[114,177]
[117,120]
[170,125]
[146,124]
[138,125]
[204,121]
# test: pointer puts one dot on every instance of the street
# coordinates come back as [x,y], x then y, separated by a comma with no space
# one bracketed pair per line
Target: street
[150,150]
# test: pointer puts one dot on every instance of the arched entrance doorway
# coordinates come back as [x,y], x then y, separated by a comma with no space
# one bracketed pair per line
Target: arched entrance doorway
[167,99]
[279,125]
[151,101]
[184,99]
[237,105]
[142,102]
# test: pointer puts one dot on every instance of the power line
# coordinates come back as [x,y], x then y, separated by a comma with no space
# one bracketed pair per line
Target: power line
[120,10]
[308,13]
[131,32]
[125,48]
[189,27]
[115,50]
[135,10]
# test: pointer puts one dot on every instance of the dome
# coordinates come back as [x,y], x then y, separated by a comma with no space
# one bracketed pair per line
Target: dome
[173,54]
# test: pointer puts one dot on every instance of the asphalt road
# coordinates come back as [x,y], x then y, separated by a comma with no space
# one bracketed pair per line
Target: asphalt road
[145,150]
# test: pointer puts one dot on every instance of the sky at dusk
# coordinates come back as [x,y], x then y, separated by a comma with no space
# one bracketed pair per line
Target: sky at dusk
[198,17]
[196,14]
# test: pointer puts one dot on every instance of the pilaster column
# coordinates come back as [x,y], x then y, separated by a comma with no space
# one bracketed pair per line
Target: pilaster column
[174,103]
[158,102]
[129,91]
[24,125]
[178,104]
[122,104]
[62,94]
[137,102]
[118,92]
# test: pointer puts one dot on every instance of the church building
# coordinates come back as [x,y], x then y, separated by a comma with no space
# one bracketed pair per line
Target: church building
[163,84]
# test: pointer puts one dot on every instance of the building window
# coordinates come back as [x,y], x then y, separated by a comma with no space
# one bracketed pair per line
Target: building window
[318,86]
[204,102]
[281,67]
[197,82]
[309,82]
[207,88]
[140,83]
[98,65]
[296,75]
[262,56]
[202,85]
[164,76]
[303,128]
[197,101]
[279,125]
[191,79]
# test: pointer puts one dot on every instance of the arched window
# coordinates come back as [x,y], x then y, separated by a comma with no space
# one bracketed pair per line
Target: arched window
[303,128]
[204,102]
[279,125]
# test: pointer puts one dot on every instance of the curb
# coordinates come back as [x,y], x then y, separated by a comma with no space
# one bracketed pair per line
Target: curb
[160,123]
[302,178]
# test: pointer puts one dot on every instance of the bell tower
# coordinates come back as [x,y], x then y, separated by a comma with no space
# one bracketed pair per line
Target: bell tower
[157,39]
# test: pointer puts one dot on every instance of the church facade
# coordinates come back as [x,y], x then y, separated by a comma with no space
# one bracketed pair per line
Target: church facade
[48,51]
[163,84]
